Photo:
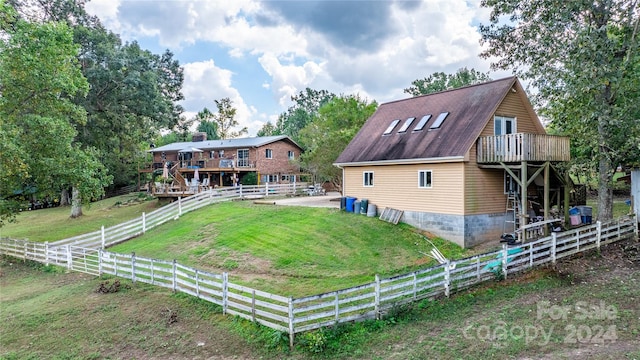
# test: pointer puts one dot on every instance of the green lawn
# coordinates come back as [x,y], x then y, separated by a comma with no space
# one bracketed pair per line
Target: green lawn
[288,250]
[55,224]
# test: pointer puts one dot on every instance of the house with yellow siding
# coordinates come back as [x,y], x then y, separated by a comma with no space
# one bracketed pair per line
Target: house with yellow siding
[456,162]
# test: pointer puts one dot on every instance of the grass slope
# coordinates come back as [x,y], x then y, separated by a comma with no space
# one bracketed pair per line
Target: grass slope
[55,224]
[45,313]
[288,250]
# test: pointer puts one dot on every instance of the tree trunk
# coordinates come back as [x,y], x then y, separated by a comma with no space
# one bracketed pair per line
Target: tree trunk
[76,203]
[64,197]
[605,190]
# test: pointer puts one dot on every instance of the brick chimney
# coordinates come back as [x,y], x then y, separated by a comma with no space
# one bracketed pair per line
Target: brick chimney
[199,136]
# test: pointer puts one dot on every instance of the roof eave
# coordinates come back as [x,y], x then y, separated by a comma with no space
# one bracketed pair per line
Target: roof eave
[446,159]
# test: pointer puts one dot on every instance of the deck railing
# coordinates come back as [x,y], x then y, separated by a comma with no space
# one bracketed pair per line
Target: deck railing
[522,147]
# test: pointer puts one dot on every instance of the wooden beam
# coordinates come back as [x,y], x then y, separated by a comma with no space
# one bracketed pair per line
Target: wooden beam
[513,175]
[547,185]
[524,197]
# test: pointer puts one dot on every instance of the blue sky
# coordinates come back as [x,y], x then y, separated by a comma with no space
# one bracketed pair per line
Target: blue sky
[259,53]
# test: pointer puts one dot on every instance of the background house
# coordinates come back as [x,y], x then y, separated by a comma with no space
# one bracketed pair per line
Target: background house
[225,162]
[455,162]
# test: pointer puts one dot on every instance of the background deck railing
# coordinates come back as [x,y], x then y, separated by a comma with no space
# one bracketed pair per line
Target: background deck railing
[522,147]
[295,315]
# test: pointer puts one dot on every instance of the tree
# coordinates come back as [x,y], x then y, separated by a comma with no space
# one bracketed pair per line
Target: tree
[207,124]
[133,93]
[268,129]
[225,120]
[440,81]
[304,110]
[39,77]
[582,56]
[329,134]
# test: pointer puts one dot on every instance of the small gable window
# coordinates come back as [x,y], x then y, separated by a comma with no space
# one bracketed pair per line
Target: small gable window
[290,155]
[425,179]
[436,124]
[268,153]
[503,125]
[422,122]
[406,125]
[391,127]
[367,178]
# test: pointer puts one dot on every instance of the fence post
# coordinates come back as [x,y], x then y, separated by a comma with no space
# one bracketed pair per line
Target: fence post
[144,223]
[266,189]
[530,254]
[292,334]
[197,285]
[173,269]
[179,206]
[240,189]
[99,262]
[336,305]
[505,253]
[102,236]
[415,286]
[25,251]
[133,267]
[554,240]
[253,305]
[447,277]
[46,253]
[598,234]
[225,281]
[69,257]
[376,306]
[636,230]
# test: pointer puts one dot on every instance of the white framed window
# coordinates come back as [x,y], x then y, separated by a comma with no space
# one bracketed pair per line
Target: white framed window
[367,178]
[268,153]
[243,157]
[425,179]
[503,125]
[291,155]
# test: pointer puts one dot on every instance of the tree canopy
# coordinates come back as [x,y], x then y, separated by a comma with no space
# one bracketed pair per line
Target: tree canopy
[439,81]
[330,132]
[225,120]
[39,79]
[582,57]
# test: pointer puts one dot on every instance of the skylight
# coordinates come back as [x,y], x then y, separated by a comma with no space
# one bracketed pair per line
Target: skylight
[439,120]
[422,122]
[391,127]
[406,125]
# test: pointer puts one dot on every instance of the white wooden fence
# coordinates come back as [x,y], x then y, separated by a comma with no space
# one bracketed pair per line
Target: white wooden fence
[110,236]
[295,315]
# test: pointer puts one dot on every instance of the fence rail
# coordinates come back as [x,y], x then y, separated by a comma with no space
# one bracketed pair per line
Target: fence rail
[312,312]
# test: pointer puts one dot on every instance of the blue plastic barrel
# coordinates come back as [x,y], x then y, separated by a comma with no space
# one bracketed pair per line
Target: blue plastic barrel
[350,201]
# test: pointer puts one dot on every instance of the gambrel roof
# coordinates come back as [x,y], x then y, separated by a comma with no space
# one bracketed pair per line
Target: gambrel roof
[457,118]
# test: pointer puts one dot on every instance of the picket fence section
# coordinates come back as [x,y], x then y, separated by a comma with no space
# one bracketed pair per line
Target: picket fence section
[371,300]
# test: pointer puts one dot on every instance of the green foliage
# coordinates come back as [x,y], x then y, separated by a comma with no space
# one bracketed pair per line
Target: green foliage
[268,129]
[301,114]
[224,119]
[39,80]
[249,179]
[330,132]
[440,81]
[207,125]
[583,58]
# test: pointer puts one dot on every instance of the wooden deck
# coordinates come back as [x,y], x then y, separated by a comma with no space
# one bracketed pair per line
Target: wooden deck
[522,147]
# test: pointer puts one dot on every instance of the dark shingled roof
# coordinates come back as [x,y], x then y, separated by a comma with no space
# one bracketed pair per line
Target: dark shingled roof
[470,109]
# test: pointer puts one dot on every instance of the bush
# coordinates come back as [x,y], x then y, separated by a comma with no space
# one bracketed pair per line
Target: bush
[249,179]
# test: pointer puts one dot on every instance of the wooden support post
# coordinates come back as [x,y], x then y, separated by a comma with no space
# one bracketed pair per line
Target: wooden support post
[253,305]
[46,253]
[174,285]
[99,262]
[598,233]
[567,194]
[69,257]
[447,278]
[144,223]
[337,308]
[523,199]
[547,185]
[102,236]
[225,289]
